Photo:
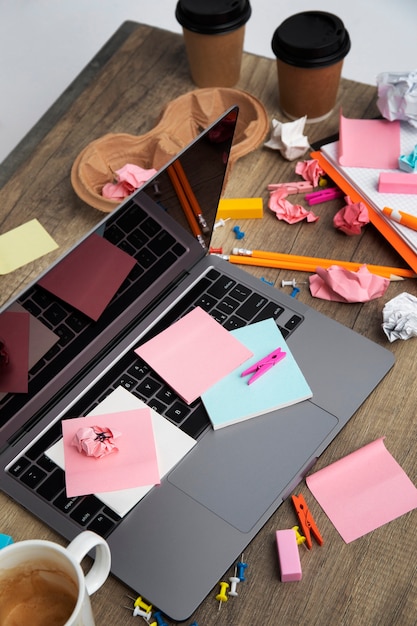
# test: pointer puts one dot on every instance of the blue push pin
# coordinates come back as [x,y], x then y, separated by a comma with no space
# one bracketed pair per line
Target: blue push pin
[5,540]
[238,233]
[159,618]
[240,570]
[294,292]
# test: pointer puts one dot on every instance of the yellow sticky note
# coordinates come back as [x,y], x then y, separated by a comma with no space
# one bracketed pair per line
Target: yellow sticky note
[24,244]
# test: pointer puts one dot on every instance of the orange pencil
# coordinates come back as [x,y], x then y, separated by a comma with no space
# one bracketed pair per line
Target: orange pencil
[195,206]
[195,229]
[309,264]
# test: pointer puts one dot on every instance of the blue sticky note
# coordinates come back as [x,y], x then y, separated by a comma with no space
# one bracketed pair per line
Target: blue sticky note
[232,400]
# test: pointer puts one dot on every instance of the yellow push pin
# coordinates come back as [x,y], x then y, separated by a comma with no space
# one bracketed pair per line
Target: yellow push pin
[299,537]
[222,595]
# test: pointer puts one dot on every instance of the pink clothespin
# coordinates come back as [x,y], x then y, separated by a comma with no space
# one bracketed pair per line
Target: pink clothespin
[323,195]
[264,365]
[293,187]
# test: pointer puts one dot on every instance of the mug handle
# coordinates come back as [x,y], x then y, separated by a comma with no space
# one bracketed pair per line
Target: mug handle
[79,548]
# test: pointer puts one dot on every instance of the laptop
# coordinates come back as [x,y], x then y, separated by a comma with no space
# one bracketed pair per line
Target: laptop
[175,544]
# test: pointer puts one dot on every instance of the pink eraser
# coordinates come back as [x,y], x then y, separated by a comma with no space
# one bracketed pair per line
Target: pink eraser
[288,555]
[397,182]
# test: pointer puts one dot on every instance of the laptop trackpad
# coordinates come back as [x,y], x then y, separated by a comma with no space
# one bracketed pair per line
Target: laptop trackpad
[239,471]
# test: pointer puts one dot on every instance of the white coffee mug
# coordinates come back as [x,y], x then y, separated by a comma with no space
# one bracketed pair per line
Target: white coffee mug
[43,583]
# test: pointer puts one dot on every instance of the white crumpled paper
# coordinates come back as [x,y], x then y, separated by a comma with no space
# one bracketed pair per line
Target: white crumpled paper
[400,317]
[288,138]
[397,96]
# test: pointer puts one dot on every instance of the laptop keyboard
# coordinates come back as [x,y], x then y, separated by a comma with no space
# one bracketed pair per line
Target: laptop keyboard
[233,305]
[155,251]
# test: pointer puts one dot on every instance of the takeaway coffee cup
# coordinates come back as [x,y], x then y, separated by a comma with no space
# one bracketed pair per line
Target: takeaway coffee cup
[310,48]
[214,32]
[42,583]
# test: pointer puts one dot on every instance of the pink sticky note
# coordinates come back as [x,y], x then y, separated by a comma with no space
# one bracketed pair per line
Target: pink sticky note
[194,353]
[134,464]
[369,143]
[363,491]
[14,334]
[89,276]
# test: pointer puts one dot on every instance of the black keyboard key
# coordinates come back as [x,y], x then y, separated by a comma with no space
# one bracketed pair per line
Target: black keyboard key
[31,307]
[252,307]
[101,525]
[150,227]
[86,510]
[55,314]
[166,395]
[137,239]
[126,247]
[145,258]
[18,467]
[162,242]
[114,234]
[53,485]
[33,476]
[157,406]
[228,305]
[66,505]
[65,334]
[42,298]
[148,387]
[128,219]
[177,412]
[46,463]
[77,322]
[206,302]
[139,370]
[221,287]
[234,322]
[240,292]
[219,316]
[270,310]
[293,322]
[127,382]
[284,331]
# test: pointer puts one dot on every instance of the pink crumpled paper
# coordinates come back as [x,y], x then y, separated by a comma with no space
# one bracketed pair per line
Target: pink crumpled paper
[342,285]
[285,210]
[129,178]
[351,218]
[310,170]
[96,441]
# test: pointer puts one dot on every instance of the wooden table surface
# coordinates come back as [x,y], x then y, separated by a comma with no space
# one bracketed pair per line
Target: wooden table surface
[124,88]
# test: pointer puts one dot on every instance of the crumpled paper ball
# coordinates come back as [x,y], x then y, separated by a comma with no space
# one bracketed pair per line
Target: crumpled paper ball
[128,178]
[288,138]
[96,441]
[285,210]
[341,285]
[310,170]
[351,218]
[397,96]
[400,317]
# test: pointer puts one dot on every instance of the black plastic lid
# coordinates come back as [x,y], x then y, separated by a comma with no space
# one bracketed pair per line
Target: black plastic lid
[311,39]
[211,17]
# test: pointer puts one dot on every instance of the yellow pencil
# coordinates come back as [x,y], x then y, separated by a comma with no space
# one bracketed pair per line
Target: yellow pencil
[309,264]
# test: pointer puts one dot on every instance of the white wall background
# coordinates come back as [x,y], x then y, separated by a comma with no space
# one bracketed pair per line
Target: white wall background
[44,44]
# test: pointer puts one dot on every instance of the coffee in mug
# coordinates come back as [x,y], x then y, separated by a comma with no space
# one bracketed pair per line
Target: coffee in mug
[42,583]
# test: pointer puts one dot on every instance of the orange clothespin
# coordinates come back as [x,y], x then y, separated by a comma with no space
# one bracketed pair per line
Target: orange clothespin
[307,523]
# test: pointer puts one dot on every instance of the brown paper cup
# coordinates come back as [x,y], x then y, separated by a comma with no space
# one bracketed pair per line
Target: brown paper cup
[214,60]
[308,91]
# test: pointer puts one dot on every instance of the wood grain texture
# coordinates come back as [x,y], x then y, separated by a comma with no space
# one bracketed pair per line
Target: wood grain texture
[370,581]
